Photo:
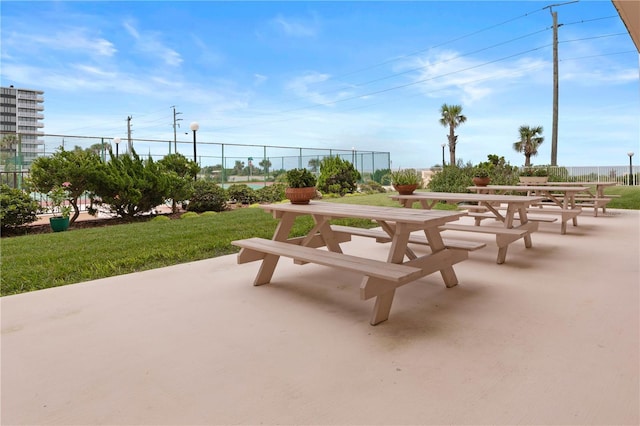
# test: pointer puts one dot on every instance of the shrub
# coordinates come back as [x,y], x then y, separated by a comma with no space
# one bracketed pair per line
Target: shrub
[534,171]
[382,176]
[129,185]
[452,179]
[242,193]
[161,218]
[337,176]
[189,215]
[207,196]
[372,187]
[271,193]
[16,208]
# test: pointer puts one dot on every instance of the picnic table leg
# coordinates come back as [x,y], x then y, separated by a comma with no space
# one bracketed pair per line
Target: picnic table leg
[270,261]
[267,268]
[382,307]
[435,242]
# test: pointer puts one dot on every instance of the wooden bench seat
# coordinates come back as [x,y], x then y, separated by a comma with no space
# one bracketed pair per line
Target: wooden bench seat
[383,237]
[480,216]
[584,201]
[473,208]
[485,229]
[257,248]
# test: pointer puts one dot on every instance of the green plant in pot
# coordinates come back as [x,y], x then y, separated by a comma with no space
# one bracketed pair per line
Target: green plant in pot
[59,196]
[405,181]
[301,186]
[481,177]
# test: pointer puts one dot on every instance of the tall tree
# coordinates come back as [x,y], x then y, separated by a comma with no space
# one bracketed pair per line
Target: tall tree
[451,116]
[77,167]
[530,139]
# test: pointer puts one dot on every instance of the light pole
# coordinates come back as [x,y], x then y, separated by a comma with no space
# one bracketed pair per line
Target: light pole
[194,126]
[116,140]
[443,145]
[630,154]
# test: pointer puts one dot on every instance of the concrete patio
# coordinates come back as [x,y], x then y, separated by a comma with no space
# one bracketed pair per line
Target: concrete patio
[550,337]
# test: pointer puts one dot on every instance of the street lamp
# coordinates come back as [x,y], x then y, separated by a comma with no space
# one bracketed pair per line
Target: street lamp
[194,126]
[116,140]
[443,145]
[630,154]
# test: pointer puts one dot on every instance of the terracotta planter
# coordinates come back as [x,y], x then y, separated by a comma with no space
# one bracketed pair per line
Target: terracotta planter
[405,189]
[533,180]
[59,224]
[300,195]
[481,181]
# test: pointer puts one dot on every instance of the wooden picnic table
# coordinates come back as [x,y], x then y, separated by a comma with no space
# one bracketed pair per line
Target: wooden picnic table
[381,278]
[516,210]
[588,198]
[562,197]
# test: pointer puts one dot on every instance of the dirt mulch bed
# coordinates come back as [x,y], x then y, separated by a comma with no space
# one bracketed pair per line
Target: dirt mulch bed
[45,228]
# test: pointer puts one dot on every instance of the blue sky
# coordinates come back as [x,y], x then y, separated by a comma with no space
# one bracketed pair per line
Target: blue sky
[342,75]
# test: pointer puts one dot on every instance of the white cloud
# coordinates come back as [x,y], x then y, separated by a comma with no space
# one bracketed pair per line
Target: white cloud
[258,79]
[150,43]
[296,27]
[71,39]
[447,74]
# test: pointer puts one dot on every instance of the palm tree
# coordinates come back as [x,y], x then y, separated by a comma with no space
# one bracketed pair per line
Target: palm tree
[314,164]
[452,117]
[530,140]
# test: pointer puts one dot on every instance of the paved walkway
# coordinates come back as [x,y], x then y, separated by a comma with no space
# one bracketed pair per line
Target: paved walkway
[550,337]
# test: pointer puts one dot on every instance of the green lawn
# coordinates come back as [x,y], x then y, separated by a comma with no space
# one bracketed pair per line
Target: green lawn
[38,261]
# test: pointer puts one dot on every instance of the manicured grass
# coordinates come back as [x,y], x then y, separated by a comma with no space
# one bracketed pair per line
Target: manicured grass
[39,261]
[629,197]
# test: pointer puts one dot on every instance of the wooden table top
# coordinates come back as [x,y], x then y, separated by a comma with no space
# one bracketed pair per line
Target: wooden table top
[525,188]
[377,213]
[578,184]
[457,196]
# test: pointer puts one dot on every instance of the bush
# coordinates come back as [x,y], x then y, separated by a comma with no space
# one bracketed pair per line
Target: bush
[129,185]
[189,215]
[160,219]
[452,179]
[16,208]
[372,187]
[242,193]
[382,176]
[271,193]
[337,176]
[207,196]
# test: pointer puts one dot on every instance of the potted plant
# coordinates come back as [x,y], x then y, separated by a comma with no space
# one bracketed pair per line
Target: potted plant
[301,186]
[534,175]
[481,177]
[59,195]
[405,181]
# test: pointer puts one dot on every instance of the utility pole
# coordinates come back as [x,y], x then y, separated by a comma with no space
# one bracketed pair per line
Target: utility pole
[130,144]
[554,128]
[175,126]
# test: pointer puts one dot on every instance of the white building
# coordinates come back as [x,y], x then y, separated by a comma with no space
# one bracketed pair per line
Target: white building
[21,115]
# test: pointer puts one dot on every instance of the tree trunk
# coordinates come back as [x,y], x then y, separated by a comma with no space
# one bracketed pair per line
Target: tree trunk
[452,147]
